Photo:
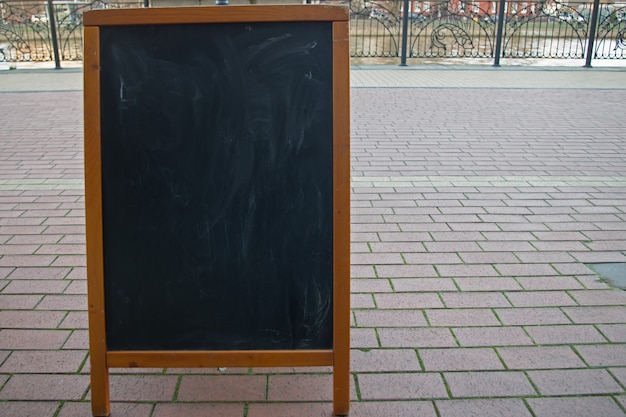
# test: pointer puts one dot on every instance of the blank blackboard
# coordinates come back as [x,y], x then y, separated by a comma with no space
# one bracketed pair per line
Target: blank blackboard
[217,181]
[217,185]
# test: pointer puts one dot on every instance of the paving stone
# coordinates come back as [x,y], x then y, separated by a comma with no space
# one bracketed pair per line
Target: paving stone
[488,284]
[35,287]
[16,339]
[384,360]
[463,359]
[574,382]
[45,387]
[564,335]
[549,283]
[406,271]
[76,287]
[423,284]
[540,298]
[70,260]
[616,333]
[19,302]
[509,407]
[143,387]
[376,259]
[530,316]
[603,355]
[415,338]
[408,300]
[361,271]
[488,384]
[294,388]
[599,297]
[462,317]
[389,318]
[362,301]
[290,409]
[367,285]
[525,270]
[363,338]
[82,409]
[619,374]
[474,300]
[573,406]
[414,386]
[79,339]
[389,408]
[596,314]
[63,302]
[540,357]
[27,260]
[455,271]
[28,408]
[39,273]
[491,336]
[74,320]
[21,319]
[38,361]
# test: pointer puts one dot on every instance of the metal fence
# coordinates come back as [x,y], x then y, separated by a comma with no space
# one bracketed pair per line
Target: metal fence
[488,29]
[51,30]
[46,30]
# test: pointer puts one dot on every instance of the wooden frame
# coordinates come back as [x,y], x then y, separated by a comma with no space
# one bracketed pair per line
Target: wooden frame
[338,356]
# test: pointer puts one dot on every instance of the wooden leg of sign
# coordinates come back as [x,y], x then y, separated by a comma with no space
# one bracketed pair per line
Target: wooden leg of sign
[341,389]
[100,402]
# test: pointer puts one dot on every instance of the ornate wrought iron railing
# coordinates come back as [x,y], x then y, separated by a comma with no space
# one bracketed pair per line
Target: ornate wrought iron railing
[40,30]
[46,30]
[487,29]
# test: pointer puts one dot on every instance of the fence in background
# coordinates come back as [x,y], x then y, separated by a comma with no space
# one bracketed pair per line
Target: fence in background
[51,30]
[488,29]
[46,30]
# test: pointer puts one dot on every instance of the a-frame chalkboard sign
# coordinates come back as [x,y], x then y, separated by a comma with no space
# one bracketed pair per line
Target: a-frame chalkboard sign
[217,189]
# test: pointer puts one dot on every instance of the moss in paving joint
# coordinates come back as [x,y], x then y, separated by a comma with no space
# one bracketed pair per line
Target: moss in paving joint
[532,384]
[403,259]
[246,407]
[375,271]
[179,382]
[495,313]
[353,313]
[437,271]
[419,360]
[59,408]
[357,388]
[500,358]
[380,345]
[577,353]
[374,300]
[82,364]
[623,386]
[369,246]
[445,385]
[426,319]
[267,387]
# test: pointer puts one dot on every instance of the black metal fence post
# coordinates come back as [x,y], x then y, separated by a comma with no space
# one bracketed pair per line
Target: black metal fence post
[405,30]
[53,34]
[595,13]
[499,33]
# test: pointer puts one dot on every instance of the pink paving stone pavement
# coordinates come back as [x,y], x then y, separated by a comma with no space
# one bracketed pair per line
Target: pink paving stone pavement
[478,196]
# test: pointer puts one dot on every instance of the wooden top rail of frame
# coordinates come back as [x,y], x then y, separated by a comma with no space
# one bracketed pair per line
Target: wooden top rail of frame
[215,14]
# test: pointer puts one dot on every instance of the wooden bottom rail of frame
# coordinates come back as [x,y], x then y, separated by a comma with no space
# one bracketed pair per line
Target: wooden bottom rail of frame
[208,359]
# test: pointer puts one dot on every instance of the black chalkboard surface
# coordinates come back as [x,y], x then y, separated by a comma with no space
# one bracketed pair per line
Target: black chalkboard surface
[217,186]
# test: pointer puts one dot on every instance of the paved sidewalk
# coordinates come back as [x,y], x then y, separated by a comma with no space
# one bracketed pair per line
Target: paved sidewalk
[479,196]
